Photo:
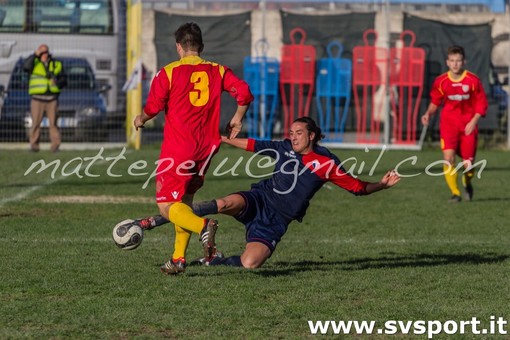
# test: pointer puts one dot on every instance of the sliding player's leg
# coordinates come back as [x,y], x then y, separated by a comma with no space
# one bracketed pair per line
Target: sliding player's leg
[201,209]
[263,228]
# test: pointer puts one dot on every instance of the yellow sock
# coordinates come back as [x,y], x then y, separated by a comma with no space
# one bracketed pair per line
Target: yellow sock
[182,215]
[182,237]
[466,177]
[450,174]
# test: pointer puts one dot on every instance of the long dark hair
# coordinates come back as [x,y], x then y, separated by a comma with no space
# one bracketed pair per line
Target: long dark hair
[311,126]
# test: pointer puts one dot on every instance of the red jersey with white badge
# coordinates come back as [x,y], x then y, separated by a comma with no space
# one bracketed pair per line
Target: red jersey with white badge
[189,91]
[462,98]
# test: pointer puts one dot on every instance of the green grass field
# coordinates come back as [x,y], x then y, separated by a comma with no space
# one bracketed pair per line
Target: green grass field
[402,254]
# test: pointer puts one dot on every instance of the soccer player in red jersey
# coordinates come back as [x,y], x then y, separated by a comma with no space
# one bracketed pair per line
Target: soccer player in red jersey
[464,102]
[189,91]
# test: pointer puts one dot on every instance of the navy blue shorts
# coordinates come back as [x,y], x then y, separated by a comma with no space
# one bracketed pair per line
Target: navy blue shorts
[262,223]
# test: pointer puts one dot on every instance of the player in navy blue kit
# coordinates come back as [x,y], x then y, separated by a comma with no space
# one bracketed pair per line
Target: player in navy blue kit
[302,168]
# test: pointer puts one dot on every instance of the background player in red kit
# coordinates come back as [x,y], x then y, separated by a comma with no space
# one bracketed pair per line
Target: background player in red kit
[189,91]
[464,102]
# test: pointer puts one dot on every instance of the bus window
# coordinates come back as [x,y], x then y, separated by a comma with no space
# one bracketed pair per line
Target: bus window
[12,16]
[72,16]
[57,16]
[52,16]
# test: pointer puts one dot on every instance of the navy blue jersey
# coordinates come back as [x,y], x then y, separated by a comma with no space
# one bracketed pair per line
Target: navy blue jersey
[296,178]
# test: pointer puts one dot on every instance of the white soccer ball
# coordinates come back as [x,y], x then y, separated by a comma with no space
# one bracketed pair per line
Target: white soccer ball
[127,235]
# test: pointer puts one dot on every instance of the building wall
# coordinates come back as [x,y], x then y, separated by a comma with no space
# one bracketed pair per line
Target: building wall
[388,27]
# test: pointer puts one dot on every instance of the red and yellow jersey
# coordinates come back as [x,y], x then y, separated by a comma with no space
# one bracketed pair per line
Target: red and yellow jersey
[462,98]
[189,91]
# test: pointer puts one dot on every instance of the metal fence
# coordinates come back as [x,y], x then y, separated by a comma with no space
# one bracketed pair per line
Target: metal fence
[74,33]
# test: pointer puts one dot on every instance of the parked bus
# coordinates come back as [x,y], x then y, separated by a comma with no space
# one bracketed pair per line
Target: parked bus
[90,29]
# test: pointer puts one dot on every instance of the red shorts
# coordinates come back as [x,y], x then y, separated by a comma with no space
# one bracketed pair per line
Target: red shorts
[453,137]
[174,178]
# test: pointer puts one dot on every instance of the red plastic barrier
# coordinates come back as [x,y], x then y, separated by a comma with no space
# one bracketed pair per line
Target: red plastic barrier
[369,77]
[407,65]
[297,77]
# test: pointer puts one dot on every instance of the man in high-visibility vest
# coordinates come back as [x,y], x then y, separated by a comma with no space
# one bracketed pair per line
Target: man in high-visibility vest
[46,79]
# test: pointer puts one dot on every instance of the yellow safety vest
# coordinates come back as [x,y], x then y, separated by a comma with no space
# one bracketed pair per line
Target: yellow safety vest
[39,82]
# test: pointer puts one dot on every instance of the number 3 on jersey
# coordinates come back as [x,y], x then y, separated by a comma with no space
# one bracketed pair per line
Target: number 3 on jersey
[199,96]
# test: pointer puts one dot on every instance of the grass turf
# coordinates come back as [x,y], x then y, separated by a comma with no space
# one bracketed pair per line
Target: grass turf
[403,254]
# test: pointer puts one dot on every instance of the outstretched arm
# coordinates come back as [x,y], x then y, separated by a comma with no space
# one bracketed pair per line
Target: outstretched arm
[389,179]
[241,143]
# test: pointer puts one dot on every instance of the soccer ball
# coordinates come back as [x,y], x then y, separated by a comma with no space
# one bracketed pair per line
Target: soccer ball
[127,235]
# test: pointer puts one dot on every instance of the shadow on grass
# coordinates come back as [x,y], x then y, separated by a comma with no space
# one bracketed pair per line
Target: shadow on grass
[418,260]
[7,215]
[413,261]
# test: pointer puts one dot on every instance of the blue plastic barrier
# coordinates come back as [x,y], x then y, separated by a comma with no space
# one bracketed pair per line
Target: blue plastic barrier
[262,74]
[333,91]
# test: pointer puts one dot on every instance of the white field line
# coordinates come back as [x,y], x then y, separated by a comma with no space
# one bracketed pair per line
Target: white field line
[77,240]
[25,193]
[28,191]
[101,199]
[397,242]
[163,238]
[64,146]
